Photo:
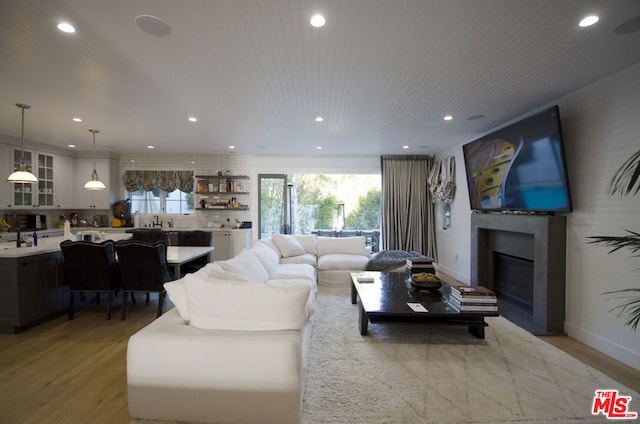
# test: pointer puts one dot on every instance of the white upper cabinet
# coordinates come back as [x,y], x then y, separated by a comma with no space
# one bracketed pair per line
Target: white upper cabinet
[5,171]
[63,182]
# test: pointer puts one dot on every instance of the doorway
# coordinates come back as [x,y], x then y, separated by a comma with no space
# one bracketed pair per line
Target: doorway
[273,204]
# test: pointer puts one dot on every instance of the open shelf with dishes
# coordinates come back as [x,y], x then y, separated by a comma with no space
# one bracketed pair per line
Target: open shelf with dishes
[222,192]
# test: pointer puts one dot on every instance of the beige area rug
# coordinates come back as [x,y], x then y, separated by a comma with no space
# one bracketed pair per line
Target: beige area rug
[413,373]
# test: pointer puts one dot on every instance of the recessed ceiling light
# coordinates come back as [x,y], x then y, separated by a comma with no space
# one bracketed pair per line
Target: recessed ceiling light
[192,119]
[153,25]
[318,147]
[319,119]
[628,27]
[133,161]
[66,27]
[232,147]
[588,21]
[71,145]
[151,147]
[405,147]
[448,118]
[77,119]
[317,21]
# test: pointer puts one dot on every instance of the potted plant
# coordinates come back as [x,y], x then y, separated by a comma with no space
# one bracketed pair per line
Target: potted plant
[626,181]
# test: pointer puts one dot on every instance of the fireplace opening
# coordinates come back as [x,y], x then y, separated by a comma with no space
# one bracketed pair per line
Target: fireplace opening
[513,280]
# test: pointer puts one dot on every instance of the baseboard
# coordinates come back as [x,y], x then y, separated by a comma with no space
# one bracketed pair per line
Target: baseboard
[606,346]
[453,273]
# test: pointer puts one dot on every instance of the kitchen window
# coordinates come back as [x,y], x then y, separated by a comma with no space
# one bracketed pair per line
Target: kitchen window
[160,191]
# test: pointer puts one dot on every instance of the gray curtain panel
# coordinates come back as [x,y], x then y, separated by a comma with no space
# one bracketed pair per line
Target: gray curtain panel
[407,209]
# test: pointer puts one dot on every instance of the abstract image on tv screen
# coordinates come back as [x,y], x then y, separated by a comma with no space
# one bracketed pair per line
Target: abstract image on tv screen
[520,167]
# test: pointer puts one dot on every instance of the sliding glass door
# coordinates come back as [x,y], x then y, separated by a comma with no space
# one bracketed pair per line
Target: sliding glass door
[272,205]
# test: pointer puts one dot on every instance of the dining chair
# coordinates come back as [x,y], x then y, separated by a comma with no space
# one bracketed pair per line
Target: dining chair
[194,238]
[143,268]
[149,235]
[90,267]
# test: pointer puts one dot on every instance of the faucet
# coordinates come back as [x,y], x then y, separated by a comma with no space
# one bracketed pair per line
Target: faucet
[157,222]
[19,240]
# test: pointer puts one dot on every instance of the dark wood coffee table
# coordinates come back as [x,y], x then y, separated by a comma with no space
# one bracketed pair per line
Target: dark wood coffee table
[385,300]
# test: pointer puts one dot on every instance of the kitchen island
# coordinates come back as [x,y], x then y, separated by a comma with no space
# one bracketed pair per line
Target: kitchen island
[32,289]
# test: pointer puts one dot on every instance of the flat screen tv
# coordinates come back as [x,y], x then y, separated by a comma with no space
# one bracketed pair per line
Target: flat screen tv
[520,167]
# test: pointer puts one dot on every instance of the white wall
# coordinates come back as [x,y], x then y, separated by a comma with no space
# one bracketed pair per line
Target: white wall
[601,126]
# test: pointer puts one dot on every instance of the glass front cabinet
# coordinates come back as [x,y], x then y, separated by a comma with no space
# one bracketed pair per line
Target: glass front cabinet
[38,194]
[22,192]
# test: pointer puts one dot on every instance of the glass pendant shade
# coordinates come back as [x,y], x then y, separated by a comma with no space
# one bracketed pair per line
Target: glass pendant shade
[94,183]
[22,174]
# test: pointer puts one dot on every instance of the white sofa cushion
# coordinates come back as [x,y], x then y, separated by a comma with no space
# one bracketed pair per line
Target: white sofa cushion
[307,258]
[246,264]
[178,295]
[270,243]
[288,245]
[293,271]
[214,270]
[309,242]
[226,305]
[347,245]
[267,256]
[313,286]
[340,261]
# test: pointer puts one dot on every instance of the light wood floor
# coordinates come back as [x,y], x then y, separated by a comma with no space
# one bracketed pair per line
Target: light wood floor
[75,372]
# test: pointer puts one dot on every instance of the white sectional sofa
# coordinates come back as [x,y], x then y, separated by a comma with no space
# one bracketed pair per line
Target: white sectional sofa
[234,349]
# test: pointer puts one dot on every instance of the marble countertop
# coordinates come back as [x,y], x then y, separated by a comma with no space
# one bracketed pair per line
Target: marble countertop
[8,250]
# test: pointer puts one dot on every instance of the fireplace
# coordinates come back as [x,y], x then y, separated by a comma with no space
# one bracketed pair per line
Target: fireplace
[522,258]
[513,281]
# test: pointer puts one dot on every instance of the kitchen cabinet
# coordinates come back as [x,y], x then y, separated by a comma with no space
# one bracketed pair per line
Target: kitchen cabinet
[5,170]
[229,243]
[107,169]
[63,182]
[222,192]
[32,290]
[42,194]
[22,194]
[44,172]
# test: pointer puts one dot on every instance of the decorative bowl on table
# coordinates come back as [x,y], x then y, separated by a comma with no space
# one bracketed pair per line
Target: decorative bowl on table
[425,280]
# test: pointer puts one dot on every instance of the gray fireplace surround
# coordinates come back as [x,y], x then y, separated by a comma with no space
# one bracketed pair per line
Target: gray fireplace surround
[537,238]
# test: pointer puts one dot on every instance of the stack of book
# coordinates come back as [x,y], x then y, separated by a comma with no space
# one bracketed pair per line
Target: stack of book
[418,265]
[473,299]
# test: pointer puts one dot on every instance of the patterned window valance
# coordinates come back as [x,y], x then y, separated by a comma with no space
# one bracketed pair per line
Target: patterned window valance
[163,180]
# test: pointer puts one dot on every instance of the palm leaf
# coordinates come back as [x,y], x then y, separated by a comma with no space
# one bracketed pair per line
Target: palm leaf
[631,241]
[627,178]
[631,307]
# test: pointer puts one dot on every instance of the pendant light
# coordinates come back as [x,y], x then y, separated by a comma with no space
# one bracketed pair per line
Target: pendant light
[94,183]
[22,175]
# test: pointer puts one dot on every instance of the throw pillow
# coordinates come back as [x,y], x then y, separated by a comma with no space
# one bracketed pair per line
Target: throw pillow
[288,245]
[229,305]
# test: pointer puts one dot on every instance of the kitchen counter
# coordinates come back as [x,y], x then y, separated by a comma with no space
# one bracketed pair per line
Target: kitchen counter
[45,245]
